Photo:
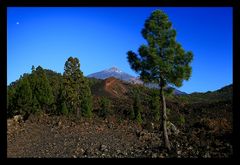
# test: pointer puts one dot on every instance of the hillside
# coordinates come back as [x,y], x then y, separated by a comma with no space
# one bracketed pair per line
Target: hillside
[120,75]
[203,122]
[223,94]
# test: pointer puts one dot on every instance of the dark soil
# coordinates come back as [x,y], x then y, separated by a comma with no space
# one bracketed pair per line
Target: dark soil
[58,136]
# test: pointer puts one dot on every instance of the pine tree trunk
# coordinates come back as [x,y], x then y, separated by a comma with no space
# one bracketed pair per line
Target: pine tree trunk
[164,119]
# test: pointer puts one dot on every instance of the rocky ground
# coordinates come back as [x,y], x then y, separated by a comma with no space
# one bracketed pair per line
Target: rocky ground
[58,136]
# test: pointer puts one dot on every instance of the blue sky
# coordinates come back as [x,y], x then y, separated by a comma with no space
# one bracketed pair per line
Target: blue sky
[100,38]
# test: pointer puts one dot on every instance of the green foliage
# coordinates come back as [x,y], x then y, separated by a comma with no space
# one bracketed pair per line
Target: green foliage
[10,101]
[104,107]
[86,106]
[86,99]
[132,114]
[139,118]
[35,105]
[23,97]
[55,81]
[137,104]
[163,58]
[168,111]
[155,107]
[64,109]
[41,88]
[223,94]
[76,90]
[137,107]
[47,90]
[182,120]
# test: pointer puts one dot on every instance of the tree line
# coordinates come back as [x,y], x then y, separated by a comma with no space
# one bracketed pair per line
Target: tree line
[45,91]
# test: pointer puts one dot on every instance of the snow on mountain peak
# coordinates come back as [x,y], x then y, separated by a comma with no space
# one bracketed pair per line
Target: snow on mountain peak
[114,69]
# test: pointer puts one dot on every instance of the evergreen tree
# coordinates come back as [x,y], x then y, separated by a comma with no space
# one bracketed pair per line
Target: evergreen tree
[64,109]
[42,89]
[76,89]
[104,107]
[132,114]
[137,108]
[155,106]
[55,81]
[86,99]
[139,118]
[162,60]
[23,97]
[35,105]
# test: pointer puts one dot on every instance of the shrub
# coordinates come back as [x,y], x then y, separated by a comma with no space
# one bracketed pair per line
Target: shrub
[139,118]
[132,114]
[64,109]
[155,107]
[181,120]
[104,107]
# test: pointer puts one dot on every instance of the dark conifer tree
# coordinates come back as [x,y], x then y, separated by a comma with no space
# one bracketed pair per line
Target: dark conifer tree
[76,89]
[23,97]
[41,89]
[155,106]
[162,60]
[137,107]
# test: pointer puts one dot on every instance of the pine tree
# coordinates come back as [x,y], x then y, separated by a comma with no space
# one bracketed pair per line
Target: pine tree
[23,97]
[64,109]
[155,106]
[86,99]
[104,107]
[42,89]
[55,81]
[35,105]
[139,118]
[132,114]
[162,60]
[137,107]
[76,89]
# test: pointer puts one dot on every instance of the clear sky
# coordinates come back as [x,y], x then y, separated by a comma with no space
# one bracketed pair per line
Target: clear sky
[100,38]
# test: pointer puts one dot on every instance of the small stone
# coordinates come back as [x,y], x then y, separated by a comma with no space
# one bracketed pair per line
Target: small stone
[118,151]
[103,147]
[59,123]
[154,155]
[190,148]
[161,156]
[179,152]
[207,155]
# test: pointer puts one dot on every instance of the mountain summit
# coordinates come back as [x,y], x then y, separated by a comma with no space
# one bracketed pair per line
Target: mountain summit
[112,72]
[114,69]
[119,74]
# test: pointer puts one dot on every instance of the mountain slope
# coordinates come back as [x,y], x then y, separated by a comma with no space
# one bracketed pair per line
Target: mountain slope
[222,94]
[119,74]
[112,72]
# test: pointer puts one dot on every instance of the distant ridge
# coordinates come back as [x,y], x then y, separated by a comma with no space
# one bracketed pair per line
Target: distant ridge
[112,72]
[119,74]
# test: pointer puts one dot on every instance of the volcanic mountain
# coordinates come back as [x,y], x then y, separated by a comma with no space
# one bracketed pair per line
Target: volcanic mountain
[112,72]
[119,74]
